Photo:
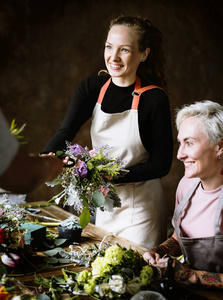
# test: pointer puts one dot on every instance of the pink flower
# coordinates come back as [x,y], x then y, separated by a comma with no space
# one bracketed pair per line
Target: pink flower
[104,190]
[92,153]
[1,212]
[10,261]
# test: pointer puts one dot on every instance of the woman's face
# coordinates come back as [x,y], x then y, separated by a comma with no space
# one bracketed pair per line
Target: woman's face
[200,158]
[122,56]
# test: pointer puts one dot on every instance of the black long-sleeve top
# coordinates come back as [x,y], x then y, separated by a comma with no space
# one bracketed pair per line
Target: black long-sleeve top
[153,116]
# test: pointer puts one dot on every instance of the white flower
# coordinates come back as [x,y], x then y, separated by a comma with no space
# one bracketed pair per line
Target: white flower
[72,196]
[102,289]
[17,297]
[57,200]
[117,284]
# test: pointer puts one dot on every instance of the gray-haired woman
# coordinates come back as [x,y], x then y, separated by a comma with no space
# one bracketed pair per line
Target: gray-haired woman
[198,216]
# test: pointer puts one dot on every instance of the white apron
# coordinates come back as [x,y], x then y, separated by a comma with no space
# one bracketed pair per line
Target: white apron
[142,217]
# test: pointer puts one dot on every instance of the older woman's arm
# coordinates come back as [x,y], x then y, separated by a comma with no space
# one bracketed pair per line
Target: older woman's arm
[169,247]
[188,276]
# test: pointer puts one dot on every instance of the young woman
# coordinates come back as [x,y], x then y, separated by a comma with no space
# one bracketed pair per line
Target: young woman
[135,122]
[198,214]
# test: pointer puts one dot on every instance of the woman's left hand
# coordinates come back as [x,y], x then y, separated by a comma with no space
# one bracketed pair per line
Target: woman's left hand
[181,272]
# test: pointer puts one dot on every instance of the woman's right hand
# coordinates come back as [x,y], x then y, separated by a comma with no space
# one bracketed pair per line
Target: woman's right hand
[65,160]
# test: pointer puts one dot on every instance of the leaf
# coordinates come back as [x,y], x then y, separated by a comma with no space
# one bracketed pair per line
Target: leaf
[53,251]
[3,270]
[115,198]
[47,245]
[98,199]
[63,260]
[51,260]
[84,217]
[85,202]
[59,153]
[59,242]
[109,203]
[59,280]
[42,297]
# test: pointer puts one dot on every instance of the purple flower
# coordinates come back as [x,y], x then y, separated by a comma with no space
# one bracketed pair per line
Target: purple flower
[82,169]
[76,150]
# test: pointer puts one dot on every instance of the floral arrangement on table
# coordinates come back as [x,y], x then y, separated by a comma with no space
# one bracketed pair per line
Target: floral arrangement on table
[12,289]
[117,273]
[89,181]
[11,235]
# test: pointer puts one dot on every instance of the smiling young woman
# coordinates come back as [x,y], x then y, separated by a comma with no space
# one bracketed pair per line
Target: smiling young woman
[122,55]
[136,124]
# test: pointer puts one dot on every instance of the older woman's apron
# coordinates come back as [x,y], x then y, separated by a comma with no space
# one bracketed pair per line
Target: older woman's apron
[142,216]
[204,253]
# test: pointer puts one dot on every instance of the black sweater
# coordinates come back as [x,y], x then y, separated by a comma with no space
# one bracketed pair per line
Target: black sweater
[154,123]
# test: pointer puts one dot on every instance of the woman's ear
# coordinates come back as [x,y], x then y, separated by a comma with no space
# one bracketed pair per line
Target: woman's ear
[220,147]
[145,54]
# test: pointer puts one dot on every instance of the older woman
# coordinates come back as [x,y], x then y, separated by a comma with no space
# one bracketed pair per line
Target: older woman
[197,220]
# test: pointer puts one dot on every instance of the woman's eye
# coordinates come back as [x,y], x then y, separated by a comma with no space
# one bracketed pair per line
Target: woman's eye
[189,144]
[108,47]
[125,50]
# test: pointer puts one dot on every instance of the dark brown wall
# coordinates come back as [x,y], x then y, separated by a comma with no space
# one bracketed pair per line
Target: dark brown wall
[48,46]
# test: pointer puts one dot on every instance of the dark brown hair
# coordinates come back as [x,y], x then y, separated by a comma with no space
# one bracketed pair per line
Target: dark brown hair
[152,69]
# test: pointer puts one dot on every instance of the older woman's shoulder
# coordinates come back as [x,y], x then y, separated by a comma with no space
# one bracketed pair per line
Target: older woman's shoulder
[184,187]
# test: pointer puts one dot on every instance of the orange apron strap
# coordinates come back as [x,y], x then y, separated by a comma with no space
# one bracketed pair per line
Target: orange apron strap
[103,90]
[138,91]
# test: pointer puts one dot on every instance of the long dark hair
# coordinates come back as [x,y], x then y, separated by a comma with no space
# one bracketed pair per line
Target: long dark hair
[152,69]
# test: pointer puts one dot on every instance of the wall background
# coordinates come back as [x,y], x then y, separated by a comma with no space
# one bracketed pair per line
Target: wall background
[48,46]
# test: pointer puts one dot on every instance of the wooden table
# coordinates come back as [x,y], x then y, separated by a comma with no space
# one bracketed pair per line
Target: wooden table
[93,234]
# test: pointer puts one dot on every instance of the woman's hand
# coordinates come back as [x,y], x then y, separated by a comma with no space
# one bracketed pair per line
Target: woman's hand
[182,273]
[151,257]
[169,247]
[65,160]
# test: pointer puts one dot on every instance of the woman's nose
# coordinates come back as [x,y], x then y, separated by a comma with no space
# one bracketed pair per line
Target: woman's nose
[180,153]
[115,55]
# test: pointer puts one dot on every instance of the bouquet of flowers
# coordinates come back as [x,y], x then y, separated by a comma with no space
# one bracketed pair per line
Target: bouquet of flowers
[88,181]
[11,235]
[119,273]
[116,273]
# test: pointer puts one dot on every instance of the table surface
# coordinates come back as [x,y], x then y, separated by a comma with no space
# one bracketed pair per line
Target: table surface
[94,235]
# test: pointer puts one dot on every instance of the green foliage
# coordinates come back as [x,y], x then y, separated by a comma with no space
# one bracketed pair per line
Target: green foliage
[17,131]
[98,199]
[85,217]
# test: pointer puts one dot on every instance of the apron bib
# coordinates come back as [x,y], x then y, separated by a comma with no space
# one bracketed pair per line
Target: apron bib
[142,216]
[202,253]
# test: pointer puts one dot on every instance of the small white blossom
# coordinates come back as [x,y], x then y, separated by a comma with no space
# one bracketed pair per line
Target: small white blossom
[117,284]
[102,289]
